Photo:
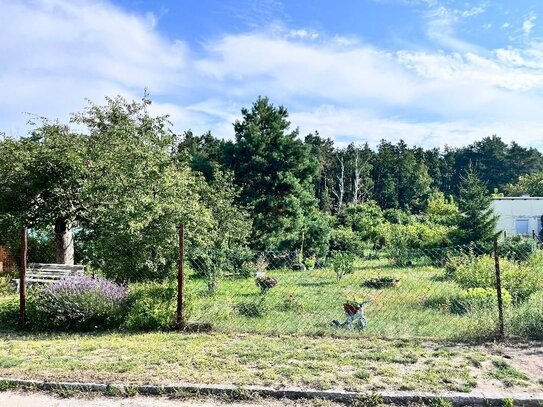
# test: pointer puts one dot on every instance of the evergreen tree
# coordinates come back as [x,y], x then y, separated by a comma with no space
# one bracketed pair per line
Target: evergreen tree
[477,221]
[275,170]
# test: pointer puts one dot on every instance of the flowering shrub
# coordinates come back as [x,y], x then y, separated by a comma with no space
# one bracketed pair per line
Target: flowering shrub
[80,303]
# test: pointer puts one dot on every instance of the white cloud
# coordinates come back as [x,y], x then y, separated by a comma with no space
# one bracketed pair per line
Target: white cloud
[529,24]
[57,52]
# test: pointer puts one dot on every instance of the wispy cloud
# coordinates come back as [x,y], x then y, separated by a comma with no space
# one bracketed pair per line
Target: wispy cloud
[529,24]
[57,52]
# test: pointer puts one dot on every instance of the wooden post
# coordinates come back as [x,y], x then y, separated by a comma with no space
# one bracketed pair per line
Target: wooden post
[22,277]
[499,290]
[180,322]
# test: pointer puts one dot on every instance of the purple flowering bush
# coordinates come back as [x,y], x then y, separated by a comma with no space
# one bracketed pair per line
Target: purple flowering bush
[80,303]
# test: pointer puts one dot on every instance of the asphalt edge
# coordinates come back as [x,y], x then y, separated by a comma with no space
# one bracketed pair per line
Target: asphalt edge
[248,392]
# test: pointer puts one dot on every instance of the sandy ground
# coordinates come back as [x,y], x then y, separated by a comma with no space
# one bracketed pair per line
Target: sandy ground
[37,399]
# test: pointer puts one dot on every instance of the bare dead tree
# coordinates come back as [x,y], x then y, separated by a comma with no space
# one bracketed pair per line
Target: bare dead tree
[360,191]
[339,192]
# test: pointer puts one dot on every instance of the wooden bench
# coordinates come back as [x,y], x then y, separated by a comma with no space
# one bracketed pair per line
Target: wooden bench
[41,273]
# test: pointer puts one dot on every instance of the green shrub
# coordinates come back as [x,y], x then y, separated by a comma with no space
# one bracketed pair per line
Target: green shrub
[528,318]
[477,298]
[343,264]
[517,248]
[344,239]
[291,302]
[480,325]
[520,279]
[152,306]
[6,284]
[381,282]
[252,308]
[9,311]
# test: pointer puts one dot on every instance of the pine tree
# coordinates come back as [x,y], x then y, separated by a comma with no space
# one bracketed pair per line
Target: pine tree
[275,171]
[477,221]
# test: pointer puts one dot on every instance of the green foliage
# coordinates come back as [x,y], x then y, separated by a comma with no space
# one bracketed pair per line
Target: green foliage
[528,318]
[517,248]
[364,219]
[9,311]
[252,308]
[275,172]
[291,302]
[343,239]
[442,211]
[317,230]
[342,264]
[529,184]
[414,236]
[478,298]
[519,279]
[381,282]
[477,221]
[152,306]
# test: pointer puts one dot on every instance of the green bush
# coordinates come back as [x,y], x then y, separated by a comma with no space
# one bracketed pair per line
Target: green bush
[481,325]
[343,264]
[528,318]
[381,282]
[518,248]
[252,308]
[477,298]
[9,312]
[520,279]
[291,302]
[152,306]
[343,239]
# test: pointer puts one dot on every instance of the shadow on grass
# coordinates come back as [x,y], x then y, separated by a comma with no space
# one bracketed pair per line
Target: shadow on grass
[315,283]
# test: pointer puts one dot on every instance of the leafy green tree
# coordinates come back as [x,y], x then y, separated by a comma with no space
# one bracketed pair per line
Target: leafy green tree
[40,179]
[275,171]
[530,184]
[477,221]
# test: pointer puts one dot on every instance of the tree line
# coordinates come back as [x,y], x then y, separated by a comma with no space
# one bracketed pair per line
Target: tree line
[122,179]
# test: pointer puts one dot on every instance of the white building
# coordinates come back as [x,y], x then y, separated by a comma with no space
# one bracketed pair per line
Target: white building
[519,215]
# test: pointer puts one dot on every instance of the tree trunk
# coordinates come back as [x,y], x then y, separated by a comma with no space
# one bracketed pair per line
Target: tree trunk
[64,242]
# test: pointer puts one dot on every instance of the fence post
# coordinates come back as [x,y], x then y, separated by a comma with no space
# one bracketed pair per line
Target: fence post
[22,279]
[180,322]
[499,289]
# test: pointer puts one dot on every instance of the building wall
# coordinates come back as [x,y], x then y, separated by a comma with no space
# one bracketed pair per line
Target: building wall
[515,212]
[7,263]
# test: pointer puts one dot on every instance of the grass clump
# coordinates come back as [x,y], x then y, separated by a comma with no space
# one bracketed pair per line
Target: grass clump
[528,318]
[152,306]
[252,308]
[507,374]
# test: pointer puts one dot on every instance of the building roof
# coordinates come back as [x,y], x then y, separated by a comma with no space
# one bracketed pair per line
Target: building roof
[519,198]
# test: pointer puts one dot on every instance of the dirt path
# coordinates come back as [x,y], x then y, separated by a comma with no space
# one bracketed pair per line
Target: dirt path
[24,399]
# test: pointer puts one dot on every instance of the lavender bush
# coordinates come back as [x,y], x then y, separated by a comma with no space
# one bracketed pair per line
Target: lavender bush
[80,303]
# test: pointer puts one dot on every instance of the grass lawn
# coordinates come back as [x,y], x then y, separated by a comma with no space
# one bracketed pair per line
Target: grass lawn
[362,364]
[307,301]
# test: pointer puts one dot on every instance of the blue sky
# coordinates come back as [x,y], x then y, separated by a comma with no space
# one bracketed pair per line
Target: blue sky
[431,72]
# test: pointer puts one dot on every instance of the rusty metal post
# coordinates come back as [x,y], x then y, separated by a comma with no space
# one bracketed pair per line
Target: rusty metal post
[499,289]
[180,322]
[22,279]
